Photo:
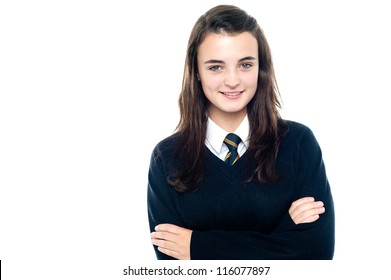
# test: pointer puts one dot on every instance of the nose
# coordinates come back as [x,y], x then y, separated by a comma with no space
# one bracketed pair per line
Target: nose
[231,78]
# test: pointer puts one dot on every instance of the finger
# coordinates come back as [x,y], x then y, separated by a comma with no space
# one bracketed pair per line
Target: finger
[172,248]
[168,252]
[310,219]
[164,235]
[300,201]
[305,207]
[166,247]
[164,243]
[309,215]
[169,228]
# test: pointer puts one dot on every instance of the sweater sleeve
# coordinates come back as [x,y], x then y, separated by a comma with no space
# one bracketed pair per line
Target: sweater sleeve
[161,199]
[288,241]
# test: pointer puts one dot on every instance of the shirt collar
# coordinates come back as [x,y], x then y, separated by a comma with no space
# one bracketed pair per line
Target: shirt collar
[215,134]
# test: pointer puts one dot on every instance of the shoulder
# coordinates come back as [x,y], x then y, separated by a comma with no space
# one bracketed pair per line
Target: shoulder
[296,130]
[167,143]
[299,150]
[166,147]
[299,135]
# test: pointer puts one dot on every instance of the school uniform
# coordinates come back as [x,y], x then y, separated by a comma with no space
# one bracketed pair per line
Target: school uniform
[235,219]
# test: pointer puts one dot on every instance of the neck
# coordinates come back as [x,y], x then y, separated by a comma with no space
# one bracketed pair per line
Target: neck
[228,121]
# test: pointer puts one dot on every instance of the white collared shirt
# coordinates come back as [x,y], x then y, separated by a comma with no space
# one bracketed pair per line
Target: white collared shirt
[215,136]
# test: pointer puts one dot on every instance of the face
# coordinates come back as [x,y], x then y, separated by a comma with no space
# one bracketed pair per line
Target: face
[228,71]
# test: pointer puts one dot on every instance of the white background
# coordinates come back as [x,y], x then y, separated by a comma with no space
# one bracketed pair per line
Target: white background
[80,80]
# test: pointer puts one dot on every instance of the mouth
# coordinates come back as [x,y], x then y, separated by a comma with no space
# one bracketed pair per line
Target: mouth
[232,94]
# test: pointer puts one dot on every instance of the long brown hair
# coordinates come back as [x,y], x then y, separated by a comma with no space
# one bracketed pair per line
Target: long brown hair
[262,110]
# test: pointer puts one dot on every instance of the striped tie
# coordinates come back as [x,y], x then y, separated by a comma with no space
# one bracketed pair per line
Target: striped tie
[232,141]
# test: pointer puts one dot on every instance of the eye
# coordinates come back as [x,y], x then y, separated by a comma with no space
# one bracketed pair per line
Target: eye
[245,65]
[215,68]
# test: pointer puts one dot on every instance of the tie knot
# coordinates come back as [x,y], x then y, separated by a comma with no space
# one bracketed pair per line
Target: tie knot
[232,141]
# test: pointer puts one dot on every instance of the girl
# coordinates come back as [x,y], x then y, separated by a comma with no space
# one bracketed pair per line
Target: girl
[236,181]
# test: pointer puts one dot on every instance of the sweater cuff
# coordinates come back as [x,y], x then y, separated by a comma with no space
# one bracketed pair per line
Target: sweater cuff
[201,246]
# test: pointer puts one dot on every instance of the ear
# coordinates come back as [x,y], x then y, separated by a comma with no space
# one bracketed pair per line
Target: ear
[198,77]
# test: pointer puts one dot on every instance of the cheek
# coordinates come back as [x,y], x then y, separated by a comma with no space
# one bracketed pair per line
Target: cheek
[210,84]
[251,80]
[251,83]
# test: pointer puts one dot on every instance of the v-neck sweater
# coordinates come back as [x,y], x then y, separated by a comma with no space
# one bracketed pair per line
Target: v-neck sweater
[234,219]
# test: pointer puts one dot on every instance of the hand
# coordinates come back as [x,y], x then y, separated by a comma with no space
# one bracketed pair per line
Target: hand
[172,240]
[306,210]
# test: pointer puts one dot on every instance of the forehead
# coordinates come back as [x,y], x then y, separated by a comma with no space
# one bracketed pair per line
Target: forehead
[223,44]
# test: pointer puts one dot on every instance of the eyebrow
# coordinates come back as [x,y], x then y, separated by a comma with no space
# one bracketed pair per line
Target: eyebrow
[213,61]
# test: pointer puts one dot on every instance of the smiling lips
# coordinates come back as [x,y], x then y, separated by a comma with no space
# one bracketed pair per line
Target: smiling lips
[232,94]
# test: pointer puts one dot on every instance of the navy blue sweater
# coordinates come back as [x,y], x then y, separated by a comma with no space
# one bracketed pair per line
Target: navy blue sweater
[232,219]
